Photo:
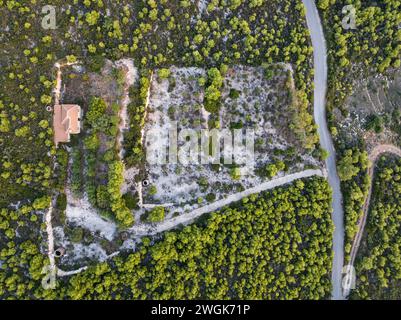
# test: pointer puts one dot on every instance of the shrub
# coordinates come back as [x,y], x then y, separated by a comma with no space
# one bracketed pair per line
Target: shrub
[212,92]
[268,73]
[234,94]
[61,202]
[375,122]
[96,63]
[102,197]
[235,173]
[152,190]
[97,109]
[163,73]
[156,215]
[210,197]
[117,204]
[130,200]
[76,235]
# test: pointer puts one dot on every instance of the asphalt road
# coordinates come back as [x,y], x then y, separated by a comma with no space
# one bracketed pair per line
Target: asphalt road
[320,66]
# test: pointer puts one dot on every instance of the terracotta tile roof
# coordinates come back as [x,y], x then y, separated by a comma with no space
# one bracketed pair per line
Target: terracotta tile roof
[66,121]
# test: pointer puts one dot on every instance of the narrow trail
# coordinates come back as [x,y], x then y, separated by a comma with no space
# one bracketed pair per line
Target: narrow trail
[320,81]
[373,156]
[50,238]
[53,269]
[49,213]
[57,88]
[146,230]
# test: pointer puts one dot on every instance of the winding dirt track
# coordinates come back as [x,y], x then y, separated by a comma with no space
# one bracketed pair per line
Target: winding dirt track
[373,156]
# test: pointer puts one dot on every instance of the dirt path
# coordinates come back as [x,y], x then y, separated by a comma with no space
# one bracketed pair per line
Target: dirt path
[50,237]
[53,270]
[57,88]
[146,230]
[373,156]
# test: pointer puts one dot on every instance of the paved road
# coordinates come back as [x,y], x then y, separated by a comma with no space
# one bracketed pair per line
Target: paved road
[320,66]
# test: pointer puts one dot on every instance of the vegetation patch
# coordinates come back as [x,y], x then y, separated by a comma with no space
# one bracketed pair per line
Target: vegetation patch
[276,245]
[378,261]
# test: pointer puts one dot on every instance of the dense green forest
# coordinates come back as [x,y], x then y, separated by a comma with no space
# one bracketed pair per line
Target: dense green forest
[378,263]
[276,245]
[21,243]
